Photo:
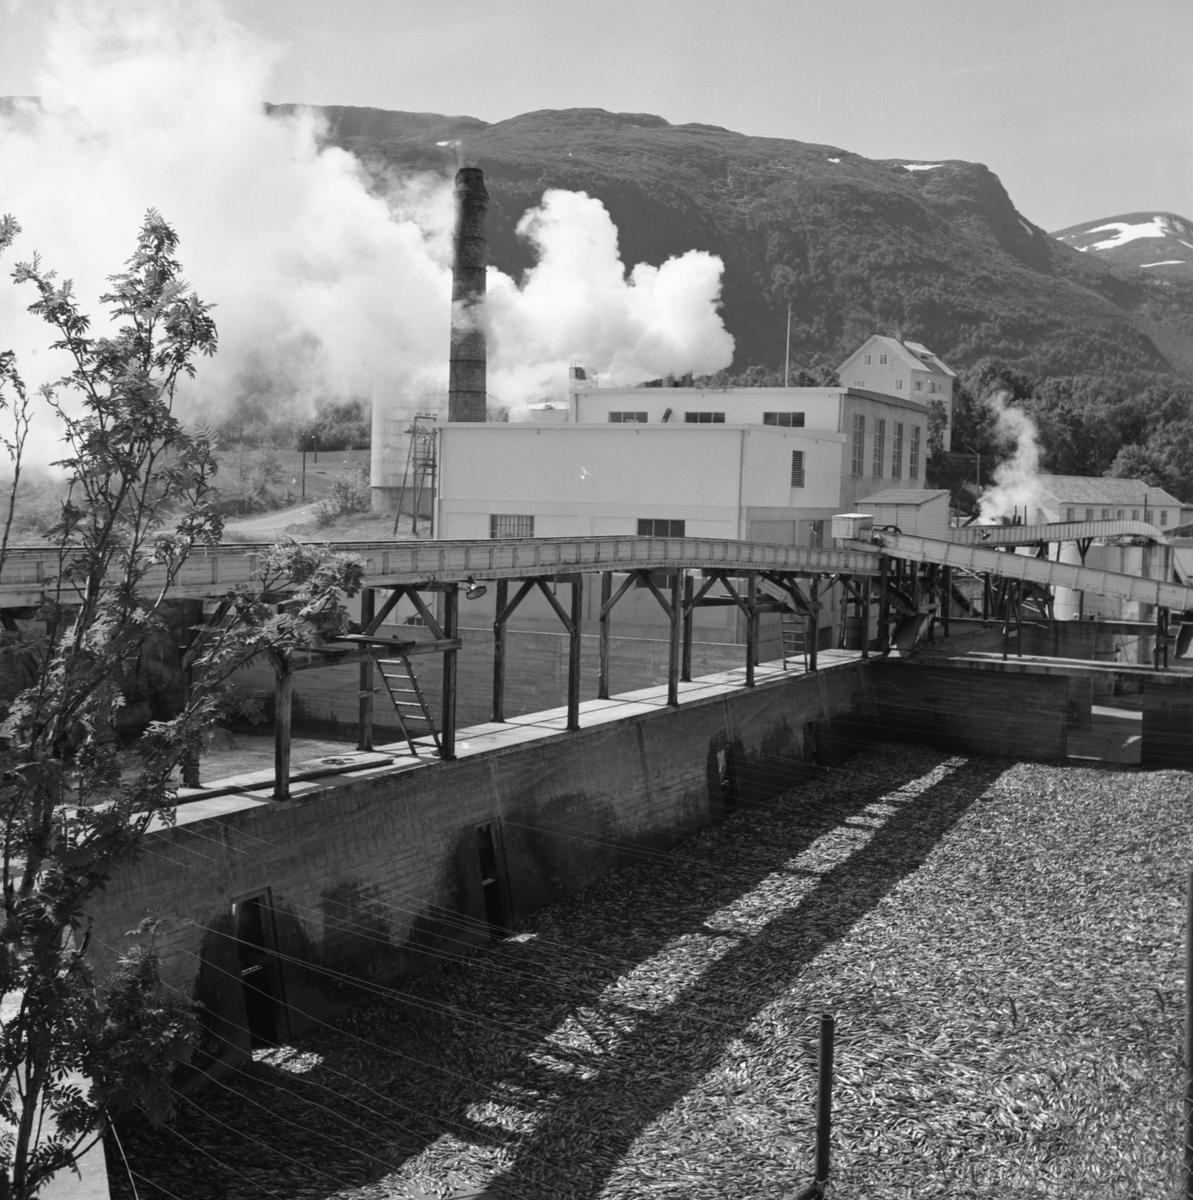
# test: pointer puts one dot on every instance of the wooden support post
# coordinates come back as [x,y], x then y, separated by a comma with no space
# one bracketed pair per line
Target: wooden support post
[673,657]
[368,605]
[574,652]
[1160,653]
[283,694]
[751,626]
[867,584]
[503,589]
[194,617]
[884,629]
[603,638]
[814,623]
[689,617]
[451,629]
[946,597]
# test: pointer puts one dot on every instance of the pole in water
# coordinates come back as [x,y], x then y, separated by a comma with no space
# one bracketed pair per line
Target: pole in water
[824,1112]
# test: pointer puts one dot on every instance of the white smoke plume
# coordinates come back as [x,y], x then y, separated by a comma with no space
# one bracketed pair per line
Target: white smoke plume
[324,289]
[577,305]
[329,284]
[1016,479]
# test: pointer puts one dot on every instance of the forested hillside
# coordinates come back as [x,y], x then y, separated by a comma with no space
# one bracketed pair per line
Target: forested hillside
[936,251]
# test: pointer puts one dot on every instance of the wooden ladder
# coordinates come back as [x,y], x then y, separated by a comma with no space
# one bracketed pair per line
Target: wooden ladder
[402,685]
[795,638]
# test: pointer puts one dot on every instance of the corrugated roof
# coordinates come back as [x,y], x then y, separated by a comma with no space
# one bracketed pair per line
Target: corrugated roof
[1092,489]
[903,496]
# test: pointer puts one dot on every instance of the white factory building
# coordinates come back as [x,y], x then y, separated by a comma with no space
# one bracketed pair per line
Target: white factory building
[758,464]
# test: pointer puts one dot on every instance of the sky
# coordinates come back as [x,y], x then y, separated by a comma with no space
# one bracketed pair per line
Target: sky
[1082,107]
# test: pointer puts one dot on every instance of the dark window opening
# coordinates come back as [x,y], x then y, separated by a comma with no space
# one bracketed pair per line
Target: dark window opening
[797,468]
[704,418]
[627,418]
[260,974]
[510,525]
[726,780]
[491,888]
[785,420]
[653,528]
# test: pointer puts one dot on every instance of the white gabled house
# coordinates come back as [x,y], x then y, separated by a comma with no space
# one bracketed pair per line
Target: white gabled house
[907,370]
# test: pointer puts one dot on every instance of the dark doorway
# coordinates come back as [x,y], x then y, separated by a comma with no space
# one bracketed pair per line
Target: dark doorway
[491,883]
[259,972]
[726,780]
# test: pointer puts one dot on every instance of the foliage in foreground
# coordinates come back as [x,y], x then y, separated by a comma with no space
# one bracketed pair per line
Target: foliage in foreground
[75,804]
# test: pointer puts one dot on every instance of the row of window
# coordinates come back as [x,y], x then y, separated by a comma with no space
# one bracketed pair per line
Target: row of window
[508,525]
[1117,514]
[933,385]
[786,420]
[857,449]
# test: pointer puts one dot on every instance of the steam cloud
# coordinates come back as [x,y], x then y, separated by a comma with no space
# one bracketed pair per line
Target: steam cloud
[327,285]
[1016,479]
[576,304]
[323,288]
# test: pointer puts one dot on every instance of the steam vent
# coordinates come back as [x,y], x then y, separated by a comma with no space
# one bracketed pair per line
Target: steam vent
[466,398]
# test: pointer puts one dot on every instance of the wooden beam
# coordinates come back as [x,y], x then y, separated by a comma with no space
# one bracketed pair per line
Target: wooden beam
[577,615]
[813,623]
[504,614]
[751,627]
[427,615]
[451,627]
[378,618]
[503,588]
[673,647]
[553,601]
[865,612]
[689,618]
[603,635]
[368,599]
[884,612]
[283,695]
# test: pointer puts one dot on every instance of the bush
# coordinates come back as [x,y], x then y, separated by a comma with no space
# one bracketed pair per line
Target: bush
[350,493]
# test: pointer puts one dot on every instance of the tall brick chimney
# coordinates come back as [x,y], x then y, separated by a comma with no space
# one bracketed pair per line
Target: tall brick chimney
[466,395]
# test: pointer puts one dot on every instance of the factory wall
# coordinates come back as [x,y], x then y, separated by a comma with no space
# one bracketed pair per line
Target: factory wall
[579,480]
[380,876]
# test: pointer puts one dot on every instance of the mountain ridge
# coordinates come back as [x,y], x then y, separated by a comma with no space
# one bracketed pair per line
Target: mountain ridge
[935,250]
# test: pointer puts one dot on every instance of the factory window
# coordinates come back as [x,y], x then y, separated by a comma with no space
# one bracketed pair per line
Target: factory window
[1134,514]
[797,468]
[867,360]
[1122,512]
[655,528]
[919,385]
[882,360]
[897,451]
[857,444]
[913,455]
[788,420]
[860,383]
[1070,514]
[627,418]
[1147,514]
[1105,514]
[510,525]
[898,385]
[879,448]
[1163,516]
[1089,514]
[704,418]
[816,535]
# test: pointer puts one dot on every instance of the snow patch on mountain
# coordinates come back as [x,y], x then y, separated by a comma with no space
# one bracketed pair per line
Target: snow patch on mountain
[921,166]
[1124,232]
[1168,262]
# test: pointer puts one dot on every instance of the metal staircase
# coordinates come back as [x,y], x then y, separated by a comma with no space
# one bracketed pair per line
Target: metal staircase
[414,717]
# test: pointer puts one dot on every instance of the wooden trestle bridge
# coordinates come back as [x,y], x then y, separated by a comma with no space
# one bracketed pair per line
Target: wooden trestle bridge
[913,582]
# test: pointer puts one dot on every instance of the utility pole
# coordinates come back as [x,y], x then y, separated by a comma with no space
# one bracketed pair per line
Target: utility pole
[787,360]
